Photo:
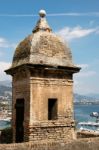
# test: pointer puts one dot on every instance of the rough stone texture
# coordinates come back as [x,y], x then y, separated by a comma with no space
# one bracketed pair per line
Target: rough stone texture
[42,69]
[87,134]
[44,88]
[38,49]
[42,47]
[52,131]
[42,25]
[81,144]
[40,85]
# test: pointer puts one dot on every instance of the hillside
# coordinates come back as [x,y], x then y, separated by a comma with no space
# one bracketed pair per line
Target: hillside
[5,86]
[79,98]
[4,89]
[5,83]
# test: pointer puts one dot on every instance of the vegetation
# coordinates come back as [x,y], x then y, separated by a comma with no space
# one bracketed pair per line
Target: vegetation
[6,135]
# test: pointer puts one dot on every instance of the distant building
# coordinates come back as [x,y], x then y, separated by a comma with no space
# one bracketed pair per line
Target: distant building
[42,71]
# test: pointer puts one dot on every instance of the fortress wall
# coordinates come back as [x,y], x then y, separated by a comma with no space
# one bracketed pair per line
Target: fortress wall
[81,144]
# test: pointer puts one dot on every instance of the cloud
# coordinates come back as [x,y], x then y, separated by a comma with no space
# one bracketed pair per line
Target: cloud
[18,15]
[5,44]
[75,14]
[83,81]
[4,66]
[1,54]
[86,74]
[97,30]
[83,66]
[91,23]
[85,71]
[68,33]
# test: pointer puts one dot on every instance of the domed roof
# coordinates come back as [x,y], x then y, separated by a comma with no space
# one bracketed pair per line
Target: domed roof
[42,47]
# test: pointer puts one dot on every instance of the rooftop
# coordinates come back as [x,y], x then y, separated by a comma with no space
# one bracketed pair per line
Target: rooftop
[42,47]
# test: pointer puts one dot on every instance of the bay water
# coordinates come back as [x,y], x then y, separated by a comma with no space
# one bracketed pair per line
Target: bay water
[81,113]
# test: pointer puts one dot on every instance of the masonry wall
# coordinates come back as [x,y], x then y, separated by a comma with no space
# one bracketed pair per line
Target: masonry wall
[21,90]
[36,86]
[43,89]
[45,86]
[81,144]
[52,131]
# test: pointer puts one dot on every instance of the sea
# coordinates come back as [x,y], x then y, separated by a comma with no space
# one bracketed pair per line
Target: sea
[4,124]
[81,113]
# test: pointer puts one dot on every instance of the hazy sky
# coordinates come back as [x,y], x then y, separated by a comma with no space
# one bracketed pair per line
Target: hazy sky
[77,21]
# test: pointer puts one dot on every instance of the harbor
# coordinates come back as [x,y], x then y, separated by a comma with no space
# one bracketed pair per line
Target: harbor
[5,119]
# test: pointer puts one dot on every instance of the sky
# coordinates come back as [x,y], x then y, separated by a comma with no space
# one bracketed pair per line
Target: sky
[77,21]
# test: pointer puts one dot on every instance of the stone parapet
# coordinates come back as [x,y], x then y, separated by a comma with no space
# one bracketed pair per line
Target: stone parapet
[51,131]
[79,144]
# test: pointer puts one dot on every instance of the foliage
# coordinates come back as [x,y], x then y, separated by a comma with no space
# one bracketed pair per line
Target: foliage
[6,135]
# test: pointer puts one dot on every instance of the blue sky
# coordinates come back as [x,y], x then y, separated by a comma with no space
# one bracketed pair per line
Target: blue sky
[77,21]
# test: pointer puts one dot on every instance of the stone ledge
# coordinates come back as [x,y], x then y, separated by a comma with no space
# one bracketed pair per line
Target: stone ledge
[54,123]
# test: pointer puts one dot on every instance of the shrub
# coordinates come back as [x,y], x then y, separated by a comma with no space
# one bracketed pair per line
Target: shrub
[6,135]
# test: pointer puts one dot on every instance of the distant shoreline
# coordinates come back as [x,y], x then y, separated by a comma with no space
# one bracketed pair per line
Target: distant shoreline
[87,103]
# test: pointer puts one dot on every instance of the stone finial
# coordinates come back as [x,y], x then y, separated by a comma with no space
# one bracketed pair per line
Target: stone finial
[42,13]
[42,24]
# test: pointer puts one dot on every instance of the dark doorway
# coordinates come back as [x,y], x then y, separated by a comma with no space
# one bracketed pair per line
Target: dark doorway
[52,109]
[19,120]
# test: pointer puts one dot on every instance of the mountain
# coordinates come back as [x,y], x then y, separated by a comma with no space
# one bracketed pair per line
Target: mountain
[4,90]
[78,98]
[94,95]
[5,83]
[85,100]
[5,87]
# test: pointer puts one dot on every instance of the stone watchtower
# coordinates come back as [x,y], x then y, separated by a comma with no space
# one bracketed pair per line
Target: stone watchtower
[42,87]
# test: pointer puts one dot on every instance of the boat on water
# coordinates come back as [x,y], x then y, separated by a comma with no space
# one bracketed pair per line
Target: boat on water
[5,123]
[89,123]
[91,126]
[7,119]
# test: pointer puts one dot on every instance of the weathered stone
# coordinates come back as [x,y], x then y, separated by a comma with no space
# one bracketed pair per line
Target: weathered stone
[42,71]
